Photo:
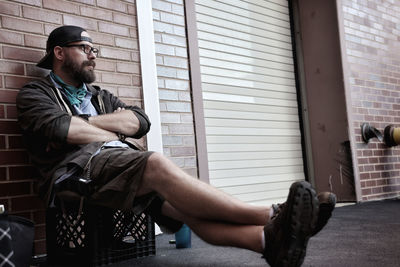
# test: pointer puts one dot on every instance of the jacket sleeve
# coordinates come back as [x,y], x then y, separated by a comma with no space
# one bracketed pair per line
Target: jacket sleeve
[144,120]
[39,113]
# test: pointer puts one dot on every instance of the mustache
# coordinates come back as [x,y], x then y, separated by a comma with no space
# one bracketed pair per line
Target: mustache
[89,63]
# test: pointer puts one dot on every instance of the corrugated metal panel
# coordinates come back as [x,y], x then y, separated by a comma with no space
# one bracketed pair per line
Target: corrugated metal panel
[250,103]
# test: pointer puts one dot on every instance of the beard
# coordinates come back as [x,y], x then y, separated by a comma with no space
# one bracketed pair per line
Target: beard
[79,72]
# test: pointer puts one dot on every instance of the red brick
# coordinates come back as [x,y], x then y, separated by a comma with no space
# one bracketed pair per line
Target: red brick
[124,19]
[102,38]
[22,25]
[366,191]
[113,4]
[132,9]
[15,189]
[9,9]
[133,33]
[15,141]
[136,80]
[96,13]
[364,176]
[128,67]
[41,14]
[30,2]
[13,157]
[3,173]
[113,53]
[11,112]
[63,6]
[8,96]
[23,173]
[88,2]
[113,29]
[39,217]
[135,56]
[131,92]
[129,43]
[381,182]
[377,190]
[370,183]
[363,161]
[11,67]
[369,168]
[2,115]
[182,151]
[36,41]
[13,82]
[87,23]
[48,28]
[2,142]
[115,78]
[26,203]
[22,54]
[105,65]
[40,231]
[9,127]
[375,175]
[8,37]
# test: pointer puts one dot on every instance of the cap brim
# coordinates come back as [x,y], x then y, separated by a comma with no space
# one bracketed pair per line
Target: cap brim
[46,62]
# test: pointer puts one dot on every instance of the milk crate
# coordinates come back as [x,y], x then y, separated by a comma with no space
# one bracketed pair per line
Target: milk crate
[96,236]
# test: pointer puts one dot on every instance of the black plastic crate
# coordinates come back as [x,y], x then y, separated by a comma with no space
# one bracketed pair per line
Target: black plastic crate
[97,236]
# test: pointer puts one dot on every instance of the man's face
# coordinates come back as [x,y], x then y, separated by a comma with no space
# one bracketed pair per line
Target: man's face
[78,63]
[80,69]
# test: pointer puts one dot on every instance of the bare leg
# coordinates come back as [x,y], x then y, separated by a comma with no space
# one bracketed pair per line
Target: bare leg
[221,233]
[195,198]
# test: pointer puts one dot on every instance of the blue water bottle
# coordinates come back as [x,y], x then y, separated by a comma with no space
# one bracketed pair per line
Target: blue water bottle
[183,238]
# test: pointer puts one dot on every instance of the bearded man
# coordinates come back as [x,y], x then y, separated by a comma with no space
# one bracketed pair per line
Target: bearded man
[74,128]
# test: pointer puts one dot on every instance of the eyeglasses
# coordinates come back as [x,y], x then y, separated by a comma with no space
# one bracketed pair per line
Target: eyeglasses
[87,49]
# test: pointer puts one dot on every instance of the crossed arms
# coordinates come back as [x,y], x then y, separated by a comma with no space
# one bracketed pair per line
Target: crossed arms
[103,127]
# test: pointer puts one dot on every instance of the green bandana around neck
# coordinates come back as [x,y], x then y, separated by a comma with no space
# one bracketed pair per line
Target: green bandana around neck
[74,95]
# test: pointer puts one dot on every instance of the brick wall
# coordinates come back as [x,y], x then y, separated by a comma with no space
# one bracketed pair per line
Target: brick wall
[24,28]
[173,82]
[372,43]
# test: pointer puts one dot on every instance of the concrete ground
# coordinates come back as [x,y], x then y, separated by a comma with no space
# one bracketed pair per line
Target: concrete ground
[365,235]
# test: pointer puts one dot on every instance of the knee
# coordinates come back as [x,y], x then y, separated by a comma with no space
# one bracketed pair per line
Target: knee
[156,165]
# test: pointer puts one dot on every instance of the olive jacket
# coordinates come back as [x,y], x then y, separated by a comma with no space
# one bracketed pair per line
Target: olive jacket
[44,115]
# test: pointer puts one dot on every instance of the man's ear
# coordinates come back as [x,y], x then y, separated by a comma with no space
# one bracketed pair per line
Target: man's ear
[58,52]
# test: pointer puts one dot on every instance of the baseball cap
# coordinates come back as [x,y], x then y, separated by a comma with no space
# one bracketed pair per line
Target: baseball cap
[60,37]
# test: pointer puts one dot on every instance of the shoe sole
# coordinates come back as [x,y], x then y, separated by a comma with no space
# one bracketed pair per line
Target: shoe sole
[304,214]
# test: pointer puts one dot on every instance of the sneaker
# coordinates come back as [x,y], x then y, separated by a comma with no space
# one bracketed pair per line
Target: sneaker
[327,202]
[287,233]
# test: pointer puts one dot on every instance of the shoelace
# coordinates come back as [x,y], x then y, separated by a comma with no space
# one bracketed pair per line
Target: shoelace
[277,209]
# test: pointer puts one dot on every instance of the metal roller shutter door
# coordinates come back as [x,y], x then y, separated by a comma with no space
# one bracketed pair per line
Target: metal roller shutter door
[250,103]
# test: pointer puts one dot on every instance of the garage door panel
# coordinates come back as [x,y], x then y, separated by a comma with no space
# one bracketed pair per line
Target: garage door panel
[255,172]
[251,155]
[259,62]
[234,81]
[238,8]
[250,99]
[251,108]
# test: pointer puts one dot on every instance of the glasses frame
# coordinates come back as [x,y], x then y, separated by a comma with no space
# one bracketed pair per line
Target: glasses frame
[87,49]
